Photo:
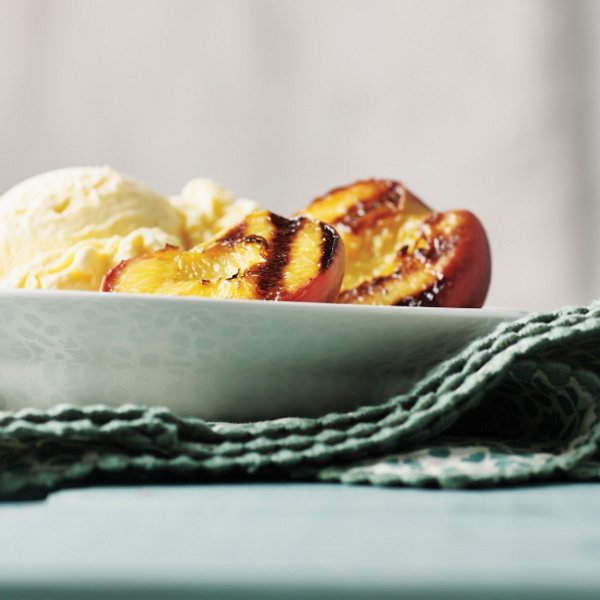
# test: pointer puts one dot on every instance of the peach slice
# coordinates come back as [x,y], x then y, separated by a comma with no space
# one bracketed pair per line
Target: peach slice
[266,257]
[400,252]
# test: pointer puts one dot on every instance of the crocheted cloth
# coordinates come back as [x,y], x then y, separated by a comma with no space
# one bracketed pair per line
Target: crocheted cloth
[520,404]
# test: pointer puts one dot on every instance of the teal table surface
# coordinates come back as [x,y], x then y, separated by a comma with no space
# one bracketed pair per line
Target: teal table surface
[302,541]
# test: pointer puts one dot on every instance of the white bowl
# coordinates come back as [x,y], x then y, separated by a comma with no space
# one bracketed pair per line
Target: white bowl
[220,359]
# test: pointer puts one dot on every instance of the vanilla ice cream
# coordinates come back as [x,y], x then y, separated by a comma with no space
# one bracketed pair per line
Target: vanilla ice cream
[66,228]
[209,208]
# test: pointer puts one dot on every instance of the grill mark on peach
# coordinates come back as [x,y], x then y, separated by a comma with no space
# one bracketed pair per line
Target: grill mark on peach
[328,246]
[234,235]
[379,284]
[375,183]
[269,284]
[426,297]
[424,257]
[410,264]
[430,296]
[363,212]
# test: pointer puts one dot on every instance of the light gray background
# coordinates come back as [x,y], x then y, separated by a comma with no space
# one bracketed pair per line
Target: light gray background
[474,104]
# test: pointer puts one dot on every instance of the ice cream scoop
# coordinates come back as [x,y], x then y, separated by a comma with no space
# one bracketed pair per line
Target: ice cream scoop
[64,229]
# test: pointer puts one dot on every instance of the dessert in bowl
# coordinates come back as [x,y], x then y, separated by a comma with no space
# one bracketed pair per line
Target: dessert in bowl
[220,310]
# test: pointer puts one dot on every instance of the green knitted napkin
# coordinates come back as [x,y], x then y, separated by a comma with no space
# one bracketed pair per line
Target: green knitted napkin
[520,404]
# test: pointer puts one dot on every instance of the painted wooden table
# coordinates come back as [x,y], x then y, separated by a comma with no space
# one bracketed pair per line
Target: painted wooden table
[302,541]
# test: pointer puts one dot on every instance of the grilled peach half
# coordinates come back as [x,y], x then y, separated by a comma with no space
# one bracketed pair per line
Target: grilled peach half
[265,257]
[401,252]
